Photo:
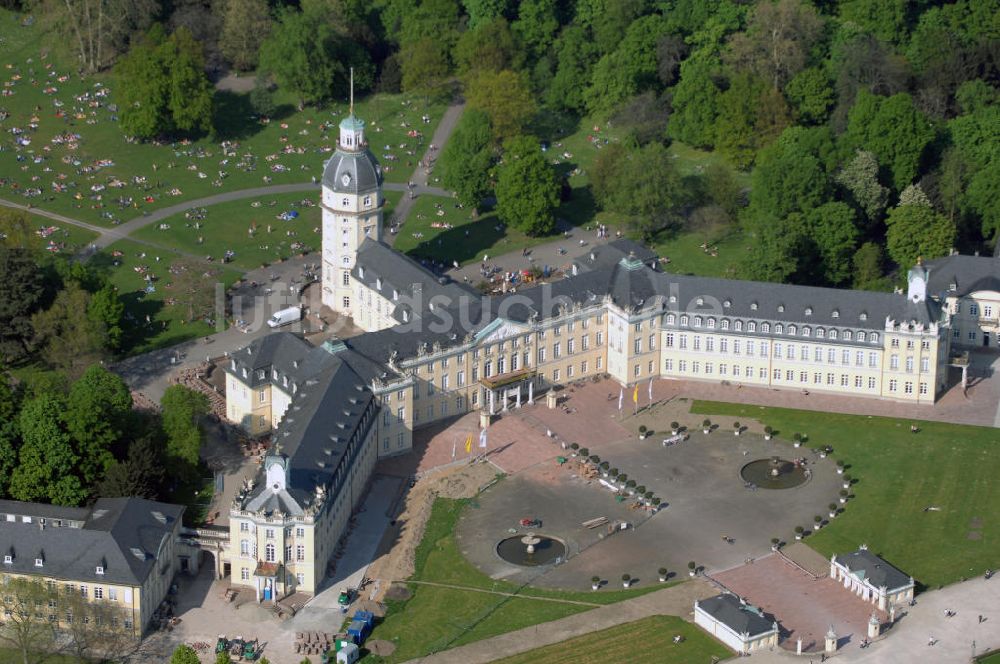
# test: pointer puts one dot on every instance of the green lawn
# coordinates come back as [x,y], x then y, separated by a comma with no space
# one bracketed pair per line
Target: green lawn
[437,618]
[992,658]
[13,656]
[291,148]
[688,257]
[227,226]
[646,641]
[897,474]
[46,234]
[166,325]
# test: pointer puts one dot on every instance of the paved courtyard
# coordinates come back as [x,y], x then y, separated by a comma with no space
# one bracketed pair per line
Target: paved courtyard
[804,606]
[698,479]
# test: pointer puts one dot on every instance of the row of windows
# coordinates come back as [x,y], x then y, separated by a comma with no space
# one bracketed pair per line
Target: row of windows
[908,363]
[269,533]
[779,328]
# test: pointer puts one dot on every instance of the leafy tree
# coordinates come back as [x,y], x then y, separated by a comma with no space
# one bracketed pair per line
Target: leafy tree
[223,658]
[425,66]
[310,58]
[643,118]
[789,177]
[182,409]
[97,416]
[894,131]
[430,19]
[779,246]
[489,46]
[163,86]
[505,98]
[776,43]
[889,20]
[976,95]
[648,190]
[695,102]
[608,20]
[536,25]
[631,68]
[16,231]
[107,310]
[671,49]
[868,261]
[605,172]
[244,29]
[835,235]
[484,11]
[262,98]
[916,230]
[860,178]
[47,464]
[69,339]
[751,115]
[722,189]
[184,654]
[865,63]
[20,297]
[527,190]
[467,159]
[976,135]
[140,474]
[811,95]
[25,628]
[575,57]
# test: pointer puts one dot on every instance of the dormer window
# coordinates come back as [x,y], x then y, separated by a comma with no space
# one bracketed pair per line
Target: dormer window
[847,335]
[244,372]
[671,319]
[39,562]
[835,313]
[861,336]
[727,303]
[753,306]
[738,325]
[368,201]
[697,321]
[700,301]
[874,337]
[361,271]
[863,316]
[711,323]
[820,333]
[781,308]
[395,294]
[792,329]
[751,326]
[779,329]
[8,560]
[99,570]
[673,298]
[684,320]
[806,331]
[833,334]
[378,283]
[765,327]
[809,311]
[724,324]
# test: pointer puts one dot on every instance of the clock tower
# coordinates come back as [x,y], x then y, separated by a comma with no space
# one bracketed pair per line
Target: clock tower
[352,206]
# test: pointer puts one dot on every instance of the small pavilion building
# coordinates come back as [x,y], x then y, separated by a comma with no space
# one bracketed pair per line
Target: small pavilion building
[739,625]
[871,578]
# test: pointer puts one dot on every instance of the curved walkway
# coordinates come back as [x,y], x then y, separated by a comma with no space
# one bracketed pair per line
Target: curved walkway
[107,236]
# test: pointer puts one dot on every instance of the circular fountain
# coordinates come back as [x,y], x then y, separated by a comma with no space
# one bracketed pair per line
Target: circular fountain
[531,550]
[774,473]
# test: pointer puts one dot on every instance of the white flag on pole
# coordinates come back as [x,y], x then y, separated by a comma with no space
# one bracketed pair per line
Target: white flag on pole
[650,390]
[482,438]
[621,398]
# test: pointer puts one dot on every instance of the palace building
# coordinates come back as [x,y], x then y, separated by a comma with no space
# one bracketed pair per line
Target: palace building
[434,349]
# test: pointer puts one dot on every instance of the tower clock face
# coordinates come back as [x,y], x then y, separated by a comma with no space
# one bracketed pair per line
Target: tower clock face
[346,179]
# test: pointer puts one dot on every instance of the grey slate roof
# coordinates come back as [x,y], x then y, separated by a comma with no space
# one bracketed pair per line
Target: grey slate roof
[867,566]
[416,286]
[332,395]
[967,273]
[122,535]
[739,617]
[41,510]
[361,166]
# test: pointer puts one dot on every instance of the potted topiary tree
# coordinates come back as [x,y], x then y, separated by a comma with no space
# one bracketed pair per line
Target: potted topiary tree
[626,580]
[604,468]
[818,522]
[797,439]
[656,501]
[648,495]
[631,487]
[584,452]
[692,568]
[774,543]
[843,496]
[663,574]
[847,481]
[833,509]
[574,447]
[768,432]
[706,425]
[595,582]
[736,428]
[613,473]
[840,466]
[594,459]
[642,432]
[640,490]
[798,532]
[675,428]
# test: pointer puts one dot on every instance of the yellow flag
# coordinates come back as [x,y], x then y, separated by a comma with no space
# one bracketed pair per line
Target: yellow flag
[468,444]
[635,394]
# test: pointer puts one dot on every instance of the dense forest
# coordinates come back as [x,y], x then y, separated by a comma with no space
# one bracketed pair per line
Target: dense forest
[869,128]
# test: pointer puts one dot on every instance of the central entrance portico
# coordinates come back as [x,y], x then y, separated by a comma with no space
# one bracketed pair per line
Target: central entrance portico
[498,391]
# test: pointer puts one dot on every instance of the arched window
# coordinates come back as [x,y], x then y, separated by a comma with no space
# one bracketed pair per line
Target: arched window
[874,337]
[861,336]
[725,324]
[684,320]
[779,328]
[697,321]
[792,329]
[269,553]
[751,327]
[765,327]
[847,335]
[711,323]
[833,334]
[738,325]
[806,331]
[671,319]
[820,333]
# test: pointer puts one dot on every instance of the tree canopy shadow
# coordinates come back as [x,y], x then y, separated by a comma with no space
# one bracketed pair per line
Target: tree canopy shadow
[234,118]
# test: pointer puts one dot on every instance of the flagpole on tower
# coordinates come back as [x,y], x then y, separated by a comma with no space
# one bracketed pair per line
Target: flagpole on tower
[352,92]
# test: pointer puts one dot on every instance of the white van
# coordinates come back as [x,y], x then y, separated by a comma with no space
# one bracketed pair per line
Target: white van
[285,316]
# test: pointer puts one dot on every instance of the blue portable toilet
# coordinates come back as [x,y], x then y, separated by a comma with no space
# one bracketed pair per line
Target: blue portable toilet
[357,631]
[366,617]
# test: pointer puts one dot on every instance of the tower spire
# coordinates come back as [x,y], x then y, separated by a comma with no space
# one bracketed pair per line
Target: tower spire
[352,91]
